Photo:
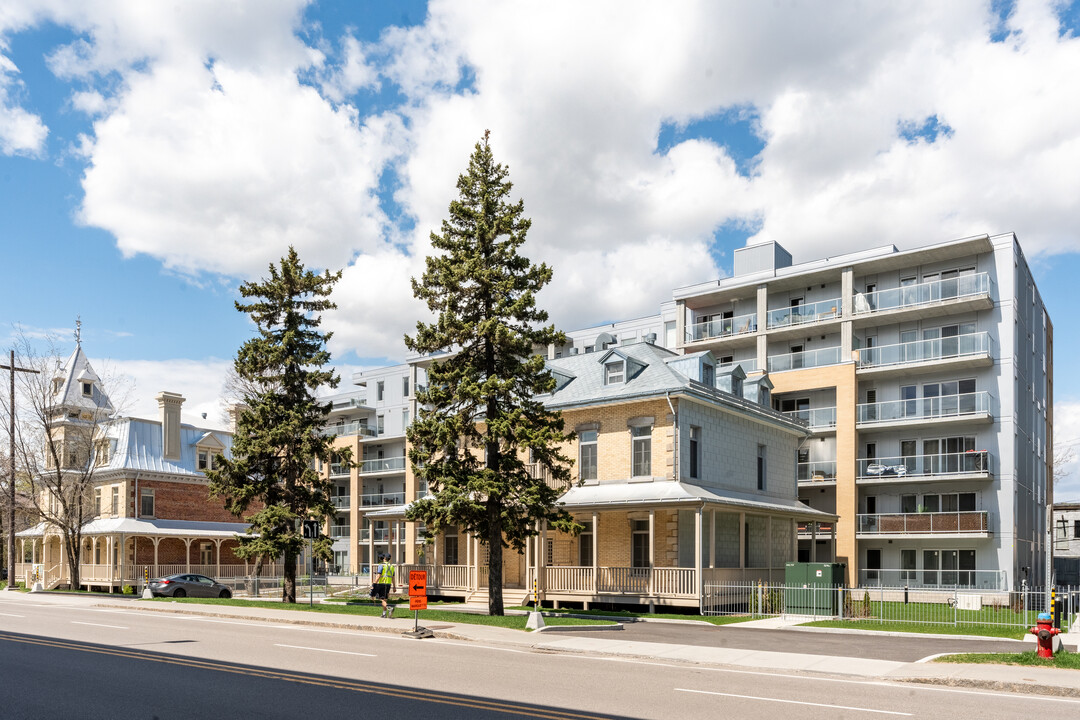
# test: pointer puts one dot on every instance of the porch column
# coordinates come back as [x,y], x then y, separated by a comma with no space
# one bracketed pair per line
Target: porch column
[93,552]
[595,551]
[528,563]
[217,568]
[541,556]
[109,554]
[768,545]
[371,548]
[698,584]
[794,540]
[712,538]
[156,541]
[187,554]
[652,547]
[813,541]
[468,559]
[742,543]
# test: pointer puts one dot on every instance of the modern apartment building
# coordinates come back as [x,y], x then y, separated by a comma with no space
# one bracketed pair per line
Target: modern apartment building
[926,377]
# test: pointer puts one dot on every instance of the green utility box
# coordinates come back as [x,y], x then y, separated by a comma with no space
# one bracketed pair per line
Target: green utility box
[810,588]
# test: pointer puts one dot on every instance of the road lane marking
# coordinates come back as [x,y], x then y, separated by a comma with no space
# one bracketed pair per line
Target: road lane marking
[792,702]
[339,652]
[10,615]
[354,686]
[114,627]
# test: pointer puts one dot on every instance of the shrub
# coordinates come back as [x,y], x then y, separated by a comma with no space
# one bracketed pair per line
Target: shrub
[128,590]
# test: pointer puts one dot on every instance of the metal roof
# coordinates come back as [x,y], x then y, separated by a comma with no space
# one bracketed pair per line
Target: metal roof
[137,445]
[157,528]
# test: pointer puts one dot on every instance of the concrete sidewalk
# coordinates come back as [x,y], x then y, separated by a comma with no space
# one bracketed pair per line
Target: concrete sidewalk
[1051,681]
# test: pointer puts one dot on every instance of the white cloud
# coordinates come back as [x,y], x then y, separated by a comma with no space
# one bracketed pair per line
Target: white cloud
[1067,450]
[201,382]
[21,132]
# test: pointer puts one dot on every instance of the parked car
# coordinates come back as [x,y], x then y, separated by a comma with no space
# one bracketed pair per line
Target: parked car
[188,585]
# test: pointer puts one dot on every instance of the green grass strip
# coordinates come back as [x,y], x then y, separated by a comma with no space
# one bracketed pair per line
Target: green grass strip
[1069,661]
[711,619]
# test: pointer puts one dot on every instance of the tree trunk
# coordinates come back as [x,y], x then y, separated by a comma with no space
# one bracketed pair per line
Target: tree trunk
[72,559]
[288,592]
[495,564]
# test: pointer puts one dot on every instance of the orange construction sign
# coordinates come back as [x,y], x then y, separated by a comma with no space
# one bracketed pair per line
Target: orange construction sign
[418,602]
[418,585]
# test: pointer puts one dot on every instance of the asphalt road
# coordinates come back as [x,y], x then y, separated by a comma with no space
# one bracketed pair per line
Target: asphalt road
[63,658]
[900,649]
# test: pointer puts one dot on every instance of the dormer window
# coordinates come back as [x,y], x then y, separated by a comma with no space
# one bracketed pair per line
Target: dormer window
[615,372]
[708,375]
[206,460]
[87,389]
[57,385]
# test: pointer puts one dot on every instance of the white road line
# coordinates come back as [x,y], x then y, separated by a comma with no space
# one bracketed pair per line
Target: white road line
[928,658]
[114,627]
[338,652]
[10,615]
[792,702]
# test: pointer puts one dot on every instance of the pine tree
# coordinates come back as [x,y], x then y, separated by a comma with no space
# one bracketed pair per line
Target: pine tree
[278,434]
[479,411]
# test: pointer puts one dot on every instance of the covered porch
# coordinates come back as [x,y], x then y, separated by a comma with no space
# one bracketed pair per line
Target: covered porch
[124,551]
[650,544]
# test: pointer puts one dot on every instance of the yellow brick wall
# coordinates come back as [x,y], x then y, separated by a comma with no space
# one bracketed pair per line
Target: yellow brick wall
[613,450]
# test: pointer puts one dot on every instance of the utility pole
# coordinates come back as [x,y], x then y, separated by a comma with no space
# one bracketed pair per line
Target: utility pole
[11,476]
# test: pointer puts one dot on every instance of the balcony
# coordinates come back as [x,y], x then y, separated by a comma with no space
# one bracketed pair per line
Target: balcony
[722,328]
[341,502]
[803,314]
[348,404]
[350,430]
[804,359]
[961,350]
[972,465]
[823,532]
[339,531]
[818,419]
[749,365]
[966,407]
[379,499]
[380,535]
[968,291]
[339,470]
[539,472]
[382,465]
[814,472]
[966,523]
[939,579]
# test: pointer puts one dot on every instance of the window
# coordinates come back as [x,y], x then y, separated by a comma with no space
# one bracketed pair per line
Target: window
[206,553]
[549,552]
[97,501]
[587,454]
[907,564]
[87,389]
[146,502]
[101,452]
[639,545]
[761,469]
[585,540]
[908,504]
[614,373]
[708,375]
[405,387]
[1076,528]
[206,460]
[380,386]
[695,451]
[641,441]
[115,500]
[873,563]
[380,424]
[404,418]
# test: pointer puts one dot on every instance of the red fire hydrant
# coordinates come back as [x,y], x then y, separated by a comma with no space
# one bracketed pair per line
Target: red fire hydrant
[1045,632]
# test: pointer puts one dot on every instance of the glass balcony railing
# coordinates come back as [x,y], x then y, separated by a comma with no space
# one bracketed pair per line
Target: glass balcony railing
[350,429]
[804,359]
[817,471]
[380,535]
[349,404]
[377,499]
[931,408]
[749,365]
[926,523]
[339,531]
[958,346]
[816,418]
[973,462]
[934,578]
[722,327]
[339,469]
[341,502]
[382,465]
[927,293]
[803,314]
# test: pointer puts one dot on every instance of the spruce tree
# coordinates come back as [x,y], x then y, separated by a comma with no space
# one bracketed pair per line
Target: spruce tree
[278,434]
[479,413]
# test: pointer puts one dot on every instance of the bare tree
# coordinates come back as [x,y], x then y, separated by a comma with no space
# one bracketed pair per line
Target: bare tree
[60,440]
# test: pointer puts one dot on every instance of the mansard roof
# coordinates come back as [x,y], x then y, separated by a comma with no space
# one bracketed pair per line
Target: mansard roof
[73,373]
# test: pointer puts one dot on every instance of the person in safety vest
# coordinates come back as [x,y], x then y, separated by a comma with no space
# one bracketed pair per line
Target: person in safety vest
[382,583]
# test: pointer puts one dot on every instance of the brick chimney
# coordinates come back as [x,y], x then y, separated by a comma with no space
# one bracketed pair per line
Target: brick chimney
[169,406]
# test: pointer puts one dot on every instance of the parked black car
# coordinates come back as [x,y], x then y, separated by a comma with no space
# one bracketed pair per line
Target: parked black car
[188,585]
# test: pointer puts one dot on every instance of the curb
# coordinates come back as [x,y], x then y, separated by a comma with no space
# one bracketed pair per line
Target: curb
[1023,688]
[886,633]
[578,628]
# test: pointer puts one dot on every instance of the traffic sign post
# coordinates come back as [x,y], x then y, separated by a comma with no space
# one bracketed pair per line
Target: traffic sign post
[418,602]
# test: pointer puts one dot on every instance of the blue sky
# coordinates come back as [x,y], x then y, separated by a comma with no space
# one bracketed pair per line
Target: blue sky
[152,158]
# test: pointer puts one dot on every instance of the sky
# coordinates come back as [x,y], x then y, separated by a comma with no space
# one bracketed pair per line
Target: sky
[153,156]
